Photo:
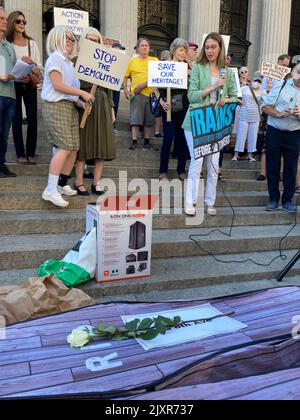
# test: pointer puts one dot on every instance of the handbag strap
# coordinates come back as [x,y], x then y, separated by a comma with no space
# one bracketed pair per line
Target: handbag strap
[29,48]
[254,96]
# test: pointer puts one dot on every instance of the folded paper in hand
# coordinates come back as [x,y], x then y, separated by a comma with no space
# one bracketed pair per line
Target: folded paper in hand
[21,69]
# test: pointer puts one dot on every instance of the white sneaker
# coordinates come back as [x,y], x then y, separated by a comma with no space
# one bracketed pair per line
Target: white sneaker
[67,191]
[190,210]
[55,199]
[235,159]
[211,211]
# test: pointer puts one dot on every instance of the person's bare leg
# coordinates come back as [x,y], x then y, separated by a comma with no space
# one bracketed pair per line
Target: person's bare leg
[79,182]
[99,166]
[148,132]
[263,164]
[58,162]
[135,132]
[69,164]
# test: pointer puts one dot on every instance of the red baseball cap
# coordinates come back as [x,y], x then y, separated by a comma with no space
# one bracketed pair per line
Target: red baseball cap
[192,44]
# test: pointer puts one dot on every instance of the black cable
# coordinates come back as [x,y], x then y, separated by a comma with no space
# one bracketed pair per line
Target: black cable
[281,255]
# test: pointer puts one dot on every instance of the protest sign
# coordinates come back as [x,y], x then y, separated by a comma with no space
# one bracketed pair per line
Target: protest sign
[237,83]
[168,74]
[211,128]
[274,71]
[75,20]
[100,65]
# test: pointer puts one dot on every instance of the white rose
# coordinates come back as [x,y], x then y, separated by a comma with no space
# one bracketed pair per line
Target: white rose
[78,338]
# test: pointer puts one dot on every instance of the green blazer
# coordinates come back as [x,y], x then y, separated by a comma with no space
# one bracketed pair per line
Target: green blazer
[199,81]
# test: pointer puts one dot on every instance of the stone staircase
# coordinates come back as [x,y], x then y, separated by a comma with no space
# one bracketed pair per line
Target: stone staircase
[32,231]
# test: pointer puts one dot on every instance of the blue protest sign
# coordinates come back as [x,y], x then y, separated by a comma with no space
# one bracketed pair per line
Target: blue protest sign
[211,128]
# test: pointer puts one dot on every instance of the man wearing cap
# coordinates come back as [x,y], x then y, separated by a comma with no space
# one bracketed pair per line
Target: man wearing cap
[283,138]
[116,95]
[192,54]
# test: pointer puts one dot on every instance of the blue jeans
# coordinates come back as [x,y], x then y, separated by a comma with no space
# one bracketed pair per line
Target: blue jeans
[7,113]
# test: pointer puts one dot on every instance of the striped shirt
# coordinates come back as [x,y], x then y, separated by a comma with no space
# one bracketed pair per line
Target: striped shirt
[249,110]
[281,100]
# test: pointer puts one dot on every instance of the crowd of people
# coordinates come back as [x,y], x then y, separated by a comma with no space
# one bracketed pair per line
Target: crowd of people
[211,82]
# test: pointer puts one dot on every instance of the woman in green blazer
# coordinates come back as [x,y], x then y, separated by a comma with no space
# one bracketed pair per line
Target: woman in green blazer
[211,83]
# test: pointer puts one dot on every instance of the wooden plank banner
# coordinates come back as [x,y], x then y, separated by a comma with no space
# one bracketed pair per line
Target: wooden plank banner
[36,360]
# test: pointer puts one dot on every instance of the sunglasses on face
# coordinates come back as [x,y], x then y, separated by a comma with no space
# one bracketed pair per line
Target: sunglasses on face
[244,72]
[70,39]
[19,21]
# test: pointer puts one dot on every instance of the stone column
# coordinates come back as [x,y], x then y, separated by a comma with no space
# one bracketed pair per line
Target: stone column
[184,19]
[204,18]
[254,35]
[276,20]
[121,22]
[33,10]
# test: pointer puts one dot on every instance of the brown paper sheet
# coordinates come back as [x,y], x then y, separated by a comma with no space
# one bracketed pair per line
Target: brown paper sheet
[39,297]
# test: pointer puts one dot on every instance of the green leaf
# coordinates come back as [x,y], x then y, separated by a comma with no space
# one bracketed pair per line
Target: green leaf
[110,330]
[132,326]
[119,338]
[131,335]
[161,328]
[145,324]
[161,319]
[177,320]
[150,335]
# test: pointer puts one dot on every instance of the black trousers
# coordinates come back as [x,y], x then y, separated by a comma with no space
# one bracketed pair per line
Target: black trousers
[29,96]
[282,143]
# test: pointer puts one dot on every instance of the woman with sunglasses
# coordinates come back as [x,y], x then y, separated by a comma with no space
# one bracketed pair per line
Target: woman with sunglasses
[60,99]
[27,50]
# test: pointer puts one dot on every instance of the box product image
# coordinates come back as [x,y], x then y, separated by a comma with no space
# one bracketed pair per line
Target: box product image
[137,238]
[124,225]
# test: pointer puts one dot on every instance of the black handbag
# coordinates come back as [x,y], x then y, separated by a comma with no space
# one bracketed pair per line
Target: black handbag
[177,103]
[155,106]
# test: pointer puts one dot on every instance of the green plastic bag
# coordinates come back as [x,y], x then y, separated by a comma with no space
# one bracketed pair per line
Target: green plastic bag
[70,274]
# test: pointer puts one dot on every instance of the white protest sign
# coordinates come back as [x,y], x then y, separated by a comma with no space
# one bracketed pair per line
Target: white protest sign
[168,74]
[191,331]
[100,65]
[274,71]
[75,20]
[226,39]
[237,82]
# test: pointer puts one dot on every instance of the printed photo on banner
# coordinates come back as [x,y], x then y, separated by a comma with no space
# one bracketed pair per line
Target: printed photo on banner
[274,71]
[102,66]
[211,128]
[75,20]
[168,74]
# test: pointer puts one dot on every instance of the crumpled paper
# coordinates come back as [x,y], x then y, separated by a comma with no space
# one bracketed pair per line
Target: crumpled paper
[39,297]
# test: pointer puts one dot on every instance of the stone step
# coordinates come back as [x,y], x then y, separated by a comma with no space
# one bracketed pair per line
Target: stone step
[37,184]
[20,222]
[135,170]
[27,251]
[33,201]
[195,273]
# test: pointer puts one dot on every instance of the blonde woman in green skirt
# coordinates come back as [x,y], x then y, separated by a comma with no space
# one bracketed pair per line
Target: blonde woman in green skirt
[97,139]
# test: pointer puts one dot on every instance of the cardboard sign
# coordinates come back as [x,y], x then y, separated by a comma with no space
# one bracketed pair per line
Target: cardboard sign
[100,65]
[168,74]
[191,331]
[124,237]
[274,71]
[75,20]
[211,128]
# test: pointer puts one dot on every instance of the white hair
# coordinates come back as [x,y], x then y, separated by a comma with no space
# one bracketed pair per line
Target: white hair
[90,31]
[178,43]
[56,40]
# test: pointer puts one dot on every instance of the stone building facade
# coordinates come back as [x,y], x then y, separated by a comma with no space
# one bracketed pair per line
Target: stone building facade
[259,29]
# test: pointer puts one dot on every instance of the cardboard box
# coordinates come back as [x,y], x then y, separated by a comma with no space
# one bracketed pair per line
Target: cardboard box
[124,236]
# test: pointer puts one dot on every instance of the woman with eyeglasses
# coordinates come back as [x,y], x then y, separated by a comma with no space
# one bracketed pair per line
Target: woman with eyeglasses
[244,77]
[97,139]
[60,99]
[27,50]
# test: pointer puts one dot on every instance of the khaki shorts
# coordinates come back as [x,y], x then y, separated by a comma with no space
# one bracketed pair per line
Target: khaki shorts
[140,112]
